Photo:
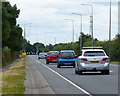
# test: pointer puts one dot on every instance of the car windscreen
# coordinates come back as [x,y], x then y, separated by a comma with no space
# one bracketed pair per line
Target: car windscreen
[94,53]
[67,55]
[53,53]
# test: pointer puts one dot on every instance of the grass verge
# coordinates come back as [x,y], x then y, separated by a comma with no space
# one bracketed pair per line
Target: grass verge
[13,79]
[113,62]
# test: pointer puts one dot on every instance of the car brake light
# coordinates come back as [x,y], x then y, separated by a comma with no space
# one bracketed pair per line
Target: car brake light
[105,59]
[83,59]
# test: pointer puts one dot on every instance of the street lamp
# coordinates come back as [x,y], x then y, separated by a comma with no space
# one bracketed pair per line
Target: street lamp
[110,31]
[91,21]
[25,35]
[73,31]
[80,29]
[25,29]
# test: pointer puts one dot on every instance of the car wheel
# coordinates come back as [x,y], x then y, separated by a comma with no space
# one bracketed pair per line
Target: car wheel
[76,72]
[73,66]
[58,66]
[107,72]
[102,72]
[79,72]
[47,62]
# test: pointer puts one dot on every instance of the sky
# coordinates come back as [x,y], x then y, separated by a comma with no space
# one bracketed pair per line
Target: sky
[44,20]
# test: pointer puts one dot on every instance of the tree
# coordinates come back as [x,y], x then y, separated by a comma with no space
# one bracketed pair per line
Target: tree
[11,33]
[115,52]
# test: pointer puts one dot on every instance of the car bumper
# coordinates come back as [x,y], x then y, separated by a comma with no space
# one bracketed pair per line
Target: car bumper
[66,62]
[51,61]
[94,68]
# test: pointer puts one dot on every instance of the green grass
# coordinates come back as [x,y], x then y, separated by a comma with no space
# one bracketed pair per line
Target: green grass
[114,62]
[13,79]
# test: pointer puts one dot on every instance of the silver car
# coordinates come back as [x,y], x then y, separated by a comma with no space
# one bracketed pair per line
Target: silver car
[42,55]
[92,59]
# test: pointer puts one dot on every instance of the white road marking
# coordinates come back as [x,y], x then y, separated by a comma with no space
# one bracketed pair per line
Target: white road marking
[65,78]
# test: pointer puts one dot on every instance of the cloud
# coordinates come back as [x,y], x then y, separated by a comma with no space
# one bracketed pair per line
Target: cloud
[47,18]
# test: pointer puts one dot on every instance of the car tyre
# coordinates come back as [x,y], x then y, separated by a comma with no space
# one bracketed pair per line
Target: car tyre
[107,72]
[58,66]
[47,62]
[79,72]
[76,72]
[73,66]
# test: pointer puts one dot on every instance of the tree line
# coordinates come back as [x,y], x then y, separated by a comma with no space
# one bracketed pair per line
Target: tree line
[11,33]
[114,46]
[86,41]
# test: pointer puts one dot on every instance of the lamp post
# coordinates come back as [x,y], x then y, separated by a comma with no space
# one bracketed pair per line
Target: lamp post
[25,35]
[25,29]
[91,21]
[72,31]
[80,29]
[110,30]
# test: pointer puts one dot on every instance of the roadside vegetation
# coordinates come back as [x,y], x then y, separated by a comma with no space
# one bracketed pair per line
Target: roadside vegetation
[12,39]
[115,46]
[13,79]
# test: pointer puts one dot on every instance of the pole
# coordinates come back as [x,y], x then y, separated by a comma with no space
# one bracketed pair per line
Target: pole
[92,27]
[91,20]
[73,34]
[110,32]
[80,37]
[55,40]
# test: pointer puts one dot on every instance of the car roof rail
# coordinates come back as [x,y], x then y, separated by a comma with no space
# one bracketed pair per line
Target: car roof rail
[92,47]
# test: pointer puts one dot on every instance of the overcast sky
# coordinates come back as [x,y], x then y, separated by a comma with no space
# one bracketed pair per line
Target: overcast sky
[49,27]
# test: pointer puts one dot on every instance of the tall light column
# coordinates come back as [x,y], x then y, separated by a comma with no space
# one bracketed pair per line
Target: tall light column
[91,21]
[110,30]
[25,35]
[25,29]
[80,29]
[72,31]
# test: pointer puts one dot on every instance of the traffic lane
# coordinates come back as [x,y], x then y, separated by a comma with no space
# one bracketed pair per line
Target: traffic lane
[58,84]
[93,83]
[113,67]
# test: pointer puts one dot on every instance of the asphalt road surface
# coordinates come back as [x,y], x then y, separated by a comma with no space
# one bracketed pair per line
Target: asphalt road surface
[64,80]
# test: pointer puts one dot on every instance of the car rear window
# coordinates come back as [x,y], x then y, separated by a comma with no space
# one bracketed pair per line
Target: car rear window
[53,53]
[94,53]
[68,54]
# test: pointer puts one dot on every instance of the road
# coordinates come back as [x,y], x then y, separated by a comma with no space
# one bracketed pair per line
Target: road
[65,81]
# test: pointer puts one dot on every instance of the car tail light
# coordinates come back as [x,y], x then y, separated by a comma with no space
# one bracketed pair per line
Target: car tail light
[83,59]
[105,59]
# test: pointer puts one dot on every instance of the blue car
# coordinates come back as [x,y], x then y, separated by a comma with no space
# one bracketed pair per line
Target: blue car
[66,58]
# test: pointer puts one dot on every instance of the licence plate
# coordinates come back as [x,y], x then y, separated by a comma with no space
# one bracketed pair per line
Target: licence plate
[67,63]
[54,60]
[95,62]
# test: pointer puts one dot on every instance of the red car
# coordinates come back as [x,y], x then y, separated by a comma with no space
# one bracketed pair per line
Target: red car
[52,57]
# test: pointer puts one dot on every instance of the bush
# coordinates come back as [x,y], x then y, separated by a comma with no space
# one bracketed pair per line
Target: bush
[8,56]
